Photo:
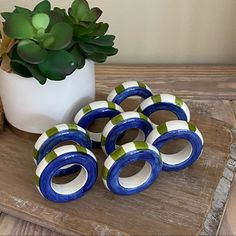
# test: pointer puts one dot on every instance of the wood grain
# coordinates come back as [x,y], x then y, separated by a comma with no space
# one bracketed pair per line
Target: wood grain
[202,82]
[212,85]
[177,203]
[10,225]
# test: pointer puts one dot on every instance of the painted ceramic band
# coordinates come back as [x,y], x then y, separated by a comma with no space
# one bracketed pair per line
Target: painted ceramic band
[59,158]
[57,135]
[125,155]
[121,123]
[99,109]
[166,102]
[173,130]
[129,89]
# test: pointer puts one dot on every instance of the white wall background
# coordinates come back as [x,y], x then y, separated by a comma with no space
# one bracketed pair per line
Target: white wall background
[165,31]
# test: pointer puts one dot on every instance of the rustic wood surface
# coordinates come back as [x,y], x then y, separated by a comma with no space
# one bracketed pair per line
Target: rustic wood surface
[213,99]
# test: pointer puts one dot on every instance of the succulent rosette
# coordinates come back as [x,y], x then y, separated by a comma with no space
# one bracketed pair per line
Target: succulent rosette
[48,43]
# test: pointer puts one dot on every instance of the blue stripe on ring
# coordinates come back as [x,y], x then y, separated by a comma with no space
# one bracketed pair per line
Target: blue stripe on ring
[129,92]
[120,128]
[194,140]
[46,176]
[136,155]
[90,117]
[164,106]
[76,136]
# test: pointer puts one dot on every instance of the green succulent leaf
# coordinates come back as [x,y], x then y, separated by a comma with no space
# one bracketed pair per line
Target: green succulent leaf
[23,69]
[31,52]
[96,13]
[106,40]
[58,65]
[60,11]
[94,30]
[22,10]
[6,15]
[98,57]
[40,21]
[55,17]
[19,26]
[79,57]
[63,33]
[100,29]
[80,11]
[90,49]
[42,7]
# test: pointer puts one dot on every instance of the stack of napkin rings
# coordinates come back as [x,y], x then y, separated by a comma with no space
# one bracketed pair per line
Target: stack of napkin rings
[55,161]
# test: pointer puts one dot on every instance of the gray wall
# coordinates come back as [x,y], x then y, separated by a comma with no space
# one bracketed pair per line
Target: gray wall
[166,31]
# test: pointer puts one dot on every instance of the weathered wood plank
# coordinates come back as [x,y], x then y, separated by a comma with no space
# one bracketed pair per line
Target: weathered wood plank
[202,82]
[164,79]
[10,225]
[176,203]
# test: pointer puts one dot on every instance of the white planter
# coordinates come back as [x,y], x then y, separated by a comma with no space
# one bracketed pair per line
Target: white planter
[34,108]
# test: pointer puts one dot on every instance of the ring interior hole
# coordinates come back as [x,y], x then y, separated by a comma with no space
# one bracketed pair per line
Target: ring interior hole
[131,103]
[70,183]
[136,174]
[130,135]
[176,151]
[160,117]
[98,125]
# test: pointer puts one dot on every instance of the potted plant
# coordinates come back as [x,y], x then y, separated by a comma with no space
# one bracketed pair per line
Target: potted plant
[47,62]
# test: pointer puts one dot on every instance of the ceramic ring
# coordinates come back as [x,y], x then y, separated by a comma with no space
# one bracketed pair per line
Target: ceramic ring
[125,155]
[99,109]
[59,158]
[120,124]
[129,89]
[166,102]
[173,130]
[57,135]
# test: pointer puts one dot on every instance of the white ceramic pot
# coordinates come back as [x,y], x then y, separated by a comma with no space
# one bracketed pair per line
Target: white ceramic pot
[34,108]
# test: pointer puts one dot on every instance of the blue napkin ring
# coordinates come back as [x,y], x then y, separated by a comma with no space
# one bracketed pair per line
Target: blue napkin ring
[60,158]
[58,135]
[99,109]
[120,124]
[173,130]
[129,89]
[166,102]
[125,155]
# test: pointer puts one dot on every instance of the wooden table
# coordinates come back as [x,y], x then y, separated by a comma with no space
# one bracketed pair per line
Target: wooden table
[212,89]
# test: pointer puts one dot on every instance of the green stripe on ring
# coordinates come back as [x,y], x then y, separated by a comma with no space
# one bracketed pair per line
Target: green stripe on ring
[156,99]
[139,109]
[142,85]
[162,128]
[119,89]
[139,145]
[105,172]
[117,154]
[192,127]
[117,119]
[142,116]
[87,109]
[52,131]
[179,102]
[37,180]
[72,127]
[50,157]
[103,140]
[35,153]
[81,149]
[111,105]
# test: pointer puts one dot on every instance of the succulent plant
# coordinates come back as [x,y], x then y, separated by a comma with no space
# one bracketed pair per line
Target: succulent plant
[52,43]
